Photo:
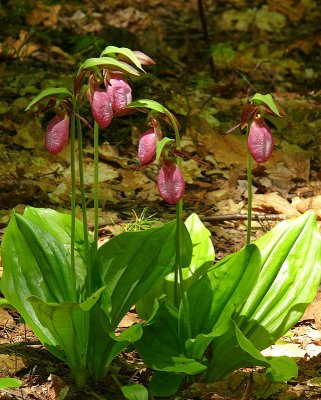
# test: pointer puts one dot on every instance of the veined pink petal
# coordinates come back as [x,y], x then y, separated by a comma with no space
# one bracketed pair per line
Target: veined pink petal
[260,141]
[147,146]
[170,183]
[57,134]
[120,92]
[101,107]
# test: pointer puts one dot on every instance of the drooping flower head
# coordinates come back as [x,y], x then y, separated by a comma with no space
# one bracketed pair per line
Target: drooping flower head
[57,133]
[260,140]
[170,182]
[147,144]
[119,91]
[100,103]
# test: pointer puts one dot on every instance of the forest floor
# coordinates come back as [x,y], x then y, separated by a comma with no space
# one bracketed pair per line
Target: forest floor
[256,46]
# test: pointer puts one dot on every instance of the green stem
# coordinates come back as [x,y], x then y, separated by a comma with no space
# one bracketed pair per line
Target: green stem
[96,177]
[83,192]
[118,384]
[179,291]
[73,198]
[249,194]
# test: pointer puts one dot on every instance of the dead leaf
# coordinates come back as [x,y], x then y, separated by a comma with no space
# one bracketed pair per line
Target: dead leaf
[11,364]
[21,47]
[311,203]
[58,389]
[275,204]
[292,9]
[44,14]
[5,318]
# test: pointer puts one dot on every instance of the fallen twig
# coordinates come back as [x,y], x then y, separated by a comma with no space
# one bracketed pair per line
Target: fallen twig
[241,217]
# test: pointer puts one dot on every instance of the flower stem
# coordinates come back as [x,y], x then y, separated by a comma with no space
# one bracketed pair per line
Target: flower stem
[249,193]
[82,191]
[178,277]
[96,177]
[73,199]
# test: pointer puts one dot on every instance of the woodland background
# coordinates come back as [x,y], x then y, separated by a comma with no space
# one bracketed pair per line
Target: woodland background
[252,46]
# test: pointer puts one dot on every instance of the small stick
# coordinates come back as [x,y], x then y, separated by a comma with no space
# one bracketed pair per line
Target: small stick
[241,217]
[205,34]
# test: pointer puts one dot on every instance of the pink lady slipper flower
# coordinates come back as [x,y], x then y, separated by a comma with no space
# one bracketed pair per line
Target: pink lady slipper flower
[57,134]
[101,106]
[170,182]
[147,145]
[119,91]
[260,140]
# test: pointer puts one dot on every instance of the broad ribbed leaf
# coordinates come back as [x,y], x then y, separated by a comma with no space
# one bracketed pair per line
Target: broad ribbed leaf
[69,323]
[149,104]
[161,346]
[281,369]
[267,100]
[131,263]
[135,392]
[288,282]
[165,384]
[107,63]
[193,269]
[37,263]
[60,93]
[124,52]
[59,226]
[233,350]
[161,144]
[103,351]
[9,383]
[212,299]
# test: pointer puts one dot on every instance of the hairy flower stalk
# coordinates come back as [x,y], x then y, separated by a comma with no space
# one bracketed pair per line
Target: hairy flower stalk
[147,146]
[57,134]
[119,91]
[170,183]
[260,141]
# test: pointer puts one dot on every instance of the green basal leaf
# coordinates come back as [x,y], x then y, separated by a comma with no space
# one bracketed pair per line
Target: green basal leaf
[231,351]
[59,226]
[108,63]
[9,383]
[213,298]
[149,104]
[129,264]
[161,144]
[4,303]
[36,262]
[60,93]
[126,53]
[135,392]
[103,351]
[288,281]
[165,384]
[69,323]
[161,346]
[193,269]
[266,100]
[282,369]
